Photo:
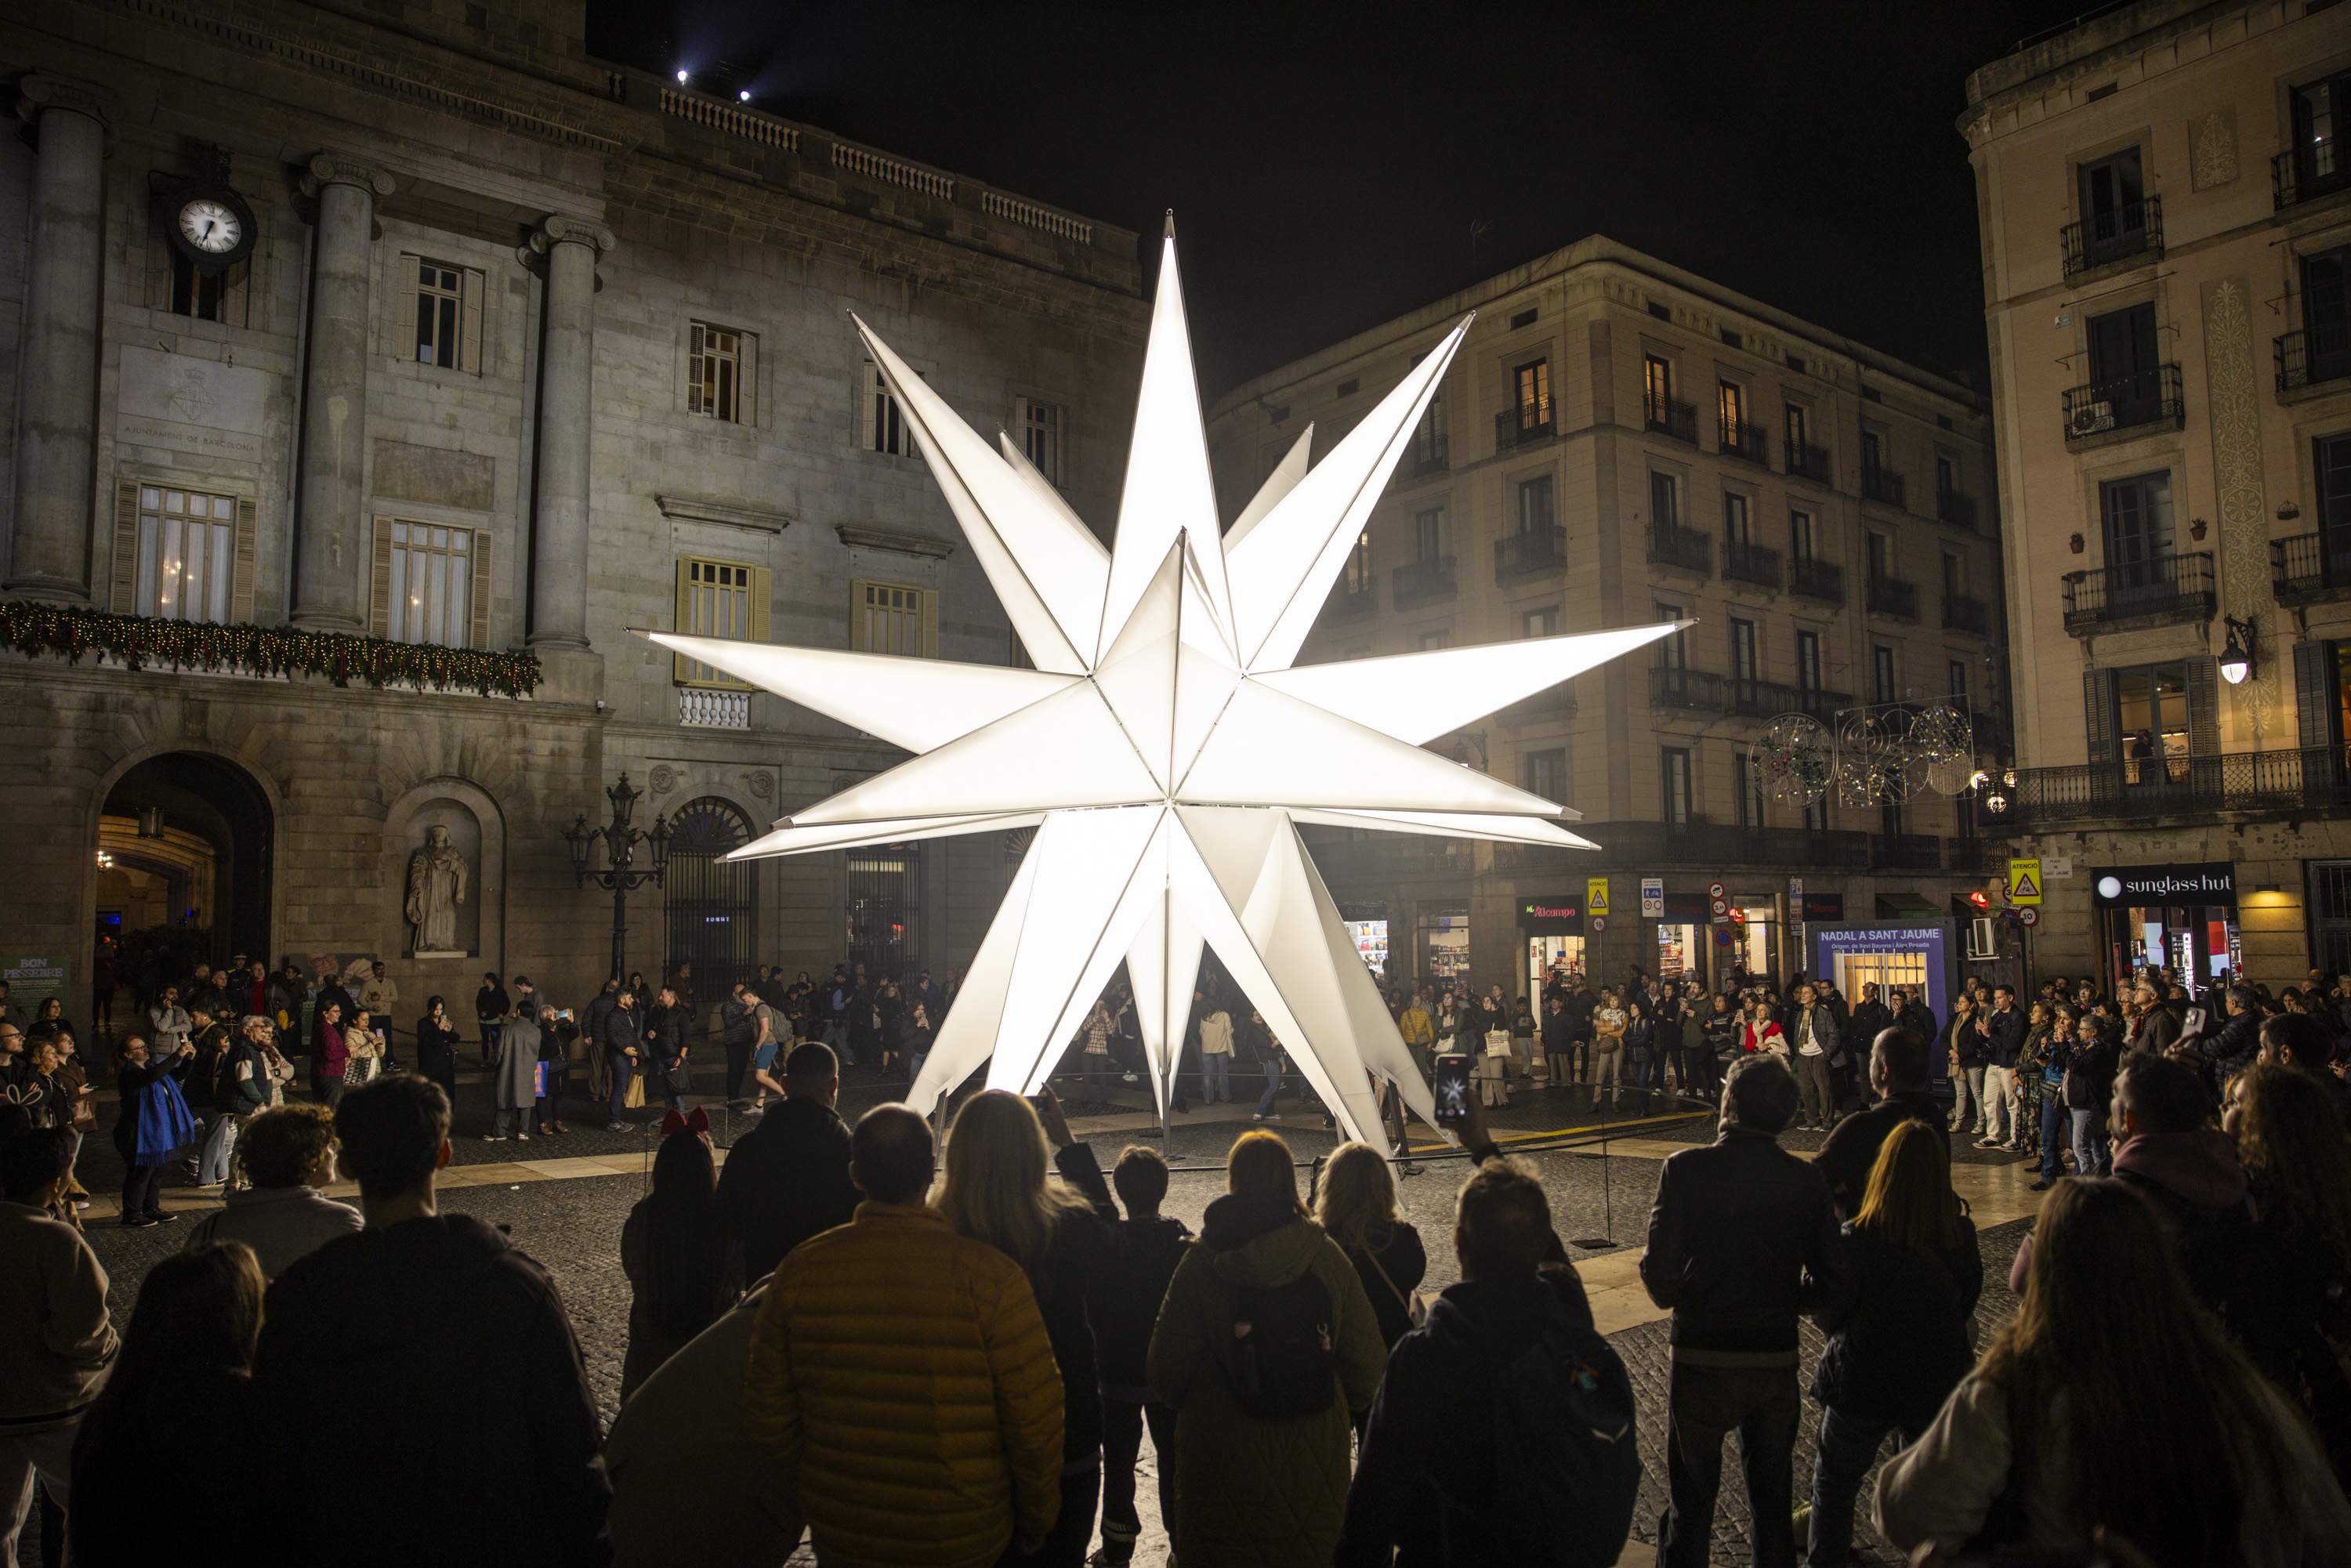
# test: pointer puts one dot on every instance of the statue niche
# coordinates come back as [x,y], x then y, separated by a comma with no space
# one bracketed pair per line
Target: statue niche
[438,876]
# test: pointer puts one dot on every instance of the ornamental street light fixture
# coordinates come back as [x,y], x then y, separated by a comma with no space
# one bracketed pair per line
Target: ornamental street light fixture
[621,873]
[2237,654]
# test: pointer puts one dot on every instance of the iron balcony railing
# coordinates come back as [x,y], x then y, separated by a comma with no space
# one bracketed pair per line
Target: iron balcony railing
[2305,174]
[1425,456]
[1530,552]
[1892,596]
[1808,462]
[1429,578]
[2126,402]
[2143,789]
[2168,589]
[2308,567]
[1964,613]
[1882,484]
[1905,852]
[1523,425]
[2312,356]
[1703,691]
[2131,230]
[1358,598]
[1818,579]
[1684,550]
[1957,509]
[1750,563]
[1746,440]
[1678,420]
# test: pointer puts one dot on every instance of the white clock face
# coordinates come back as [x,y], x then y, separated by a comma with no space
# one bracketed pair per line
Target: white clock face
[211,226]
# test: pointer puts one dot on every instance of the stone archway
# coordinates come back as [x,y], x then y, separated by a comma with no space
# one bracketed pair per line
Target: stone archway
[187,842]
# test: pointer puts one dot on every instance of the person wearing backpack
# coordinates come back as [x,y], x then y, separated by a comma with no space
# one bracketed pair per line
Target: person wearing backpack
[1504,1430]
[1265,1346]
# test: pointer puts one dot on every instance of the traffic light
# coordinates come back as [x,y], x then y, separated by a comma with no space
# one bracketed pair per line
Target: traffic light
[1981,899]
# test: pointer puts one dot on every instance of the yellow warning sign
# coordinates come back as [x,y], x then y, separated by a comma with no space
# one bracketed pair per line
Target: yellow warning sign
[1596,895]
[2024,881]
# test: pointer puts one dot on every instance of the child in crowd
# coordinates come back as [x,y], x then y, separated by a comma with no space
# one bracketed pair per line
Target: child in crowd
[1123,1304]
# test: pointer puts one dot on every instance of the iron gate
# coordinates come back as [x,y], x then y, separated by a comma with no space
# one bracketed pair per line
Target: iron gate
[714,902]
[885,910]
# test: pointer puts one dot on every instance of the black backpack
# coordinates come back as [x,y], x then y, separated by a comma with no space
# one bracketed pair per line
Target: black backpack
[1567,1466]
[1283,1362]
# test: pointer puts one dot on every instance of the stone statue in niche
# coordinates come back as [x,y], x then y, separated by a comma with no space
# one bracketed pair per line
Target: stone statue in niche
[437,875]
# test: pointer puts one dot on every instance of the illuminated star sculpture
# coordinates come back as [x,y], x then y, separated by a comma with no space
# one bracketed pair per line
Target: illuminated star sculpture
[1163,748]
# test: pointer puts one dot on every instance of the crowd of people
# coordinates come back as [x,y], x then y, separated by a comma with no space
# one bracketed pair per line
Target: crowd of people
[953,1355]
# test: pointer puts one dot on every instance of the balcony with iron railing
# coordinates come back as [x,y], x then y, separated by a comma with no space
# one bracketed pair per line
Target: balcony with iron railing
[1746,697]
[2302,175]
[1965,612]
[1905,852]
[2150,789]
[2311,357]
[1751,563]
[1893,597]
[1666,417]
[2129,402]
[1805,461]
[1955,509]
[1883,486]
[1682,550]
[1822,582]
[2309,569]
[2163,591]
[1352,597]
[1746,442]
[2132,231]
[1529,553]
[1418,581]
[1426,456]
[1523,425]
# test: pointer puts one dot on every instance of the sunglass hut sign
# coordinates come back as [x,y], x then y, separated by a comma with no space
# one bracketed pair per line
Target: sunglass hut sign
[2214,882]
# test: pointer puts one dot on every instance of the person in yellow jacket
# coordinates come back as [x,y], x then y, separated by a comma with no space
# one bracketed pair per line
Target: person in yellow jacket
[900,1377]
[1419,1031]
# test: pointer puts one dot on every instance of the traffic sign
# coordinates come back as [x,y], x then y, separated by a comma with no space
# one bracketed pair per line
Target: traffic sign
[1599,923]
[2030,917]
[1714,889]
[1596,895]
[1720,908]
[2024,880]
[1653,898]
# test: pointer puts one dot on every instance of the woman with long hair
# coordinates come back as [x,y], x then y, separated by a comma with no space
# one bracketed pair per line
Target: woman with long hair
[2112,1401]
[681,1269]
[2298,1160]
[2030,1056]
[1896,1321]
[436,1046]
[995,1187]
[1357,1209]
[178,1391]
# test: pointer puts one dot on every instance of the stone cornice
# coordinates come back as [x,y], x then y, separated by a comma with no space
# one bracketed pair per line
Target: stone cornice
[898,542]
[43,90]
[726,514]
[326,169]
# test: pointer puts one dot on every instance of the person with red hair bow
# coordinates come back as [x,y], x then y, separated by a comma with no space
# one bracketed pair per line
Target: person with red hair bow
[681,1270]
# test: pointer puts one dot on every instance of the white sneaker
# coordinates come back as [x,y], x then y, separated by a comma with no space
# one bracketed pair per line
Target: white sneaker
[522,1137]
[1131,1078]
[494,1137]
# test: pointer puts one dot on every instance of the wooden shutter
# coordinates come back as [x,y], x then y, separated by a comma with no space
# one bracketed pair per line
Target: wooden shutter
[123,598]
[240,570]
[930,623]
[2204,729]
[380,579]
[2098,726]
[681,667]
[405,299]
[477,597]
[2314,716]
[469,327]
[747,381]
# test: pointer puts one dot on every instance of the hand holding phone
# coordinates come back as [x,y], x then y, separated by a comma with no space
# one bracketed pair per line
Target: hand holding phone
[1452,1090]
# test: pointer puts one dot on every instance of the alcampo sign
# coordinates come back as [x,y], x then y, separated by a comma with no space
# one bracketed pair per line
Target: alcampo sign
[2123,887]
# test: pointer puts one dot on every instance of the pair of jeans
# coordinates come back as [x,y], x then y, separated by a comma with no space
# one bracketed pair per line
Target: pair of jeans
[1707,1404]
[1123,1424]
[489,1042]
[142,1191]
[1215,1077]
[2054,1123]
[2091,1156]
[1264,1108]
[2000,1103]
[622,1070]
[1849,1445]
[836,1035]
[1815,1091]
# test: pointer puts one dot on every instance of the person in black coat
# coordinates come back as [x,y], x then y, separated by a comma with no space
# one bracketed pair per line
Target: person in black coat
[787,1179]
[624,1055]
[668,1030]
[1356,1206]
[1123,1302]
[1897,1073]
[436,1046]
[490,1005]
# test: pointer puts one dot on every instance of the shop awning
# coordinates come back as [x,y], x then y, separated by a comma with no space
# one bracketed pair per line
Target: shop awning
[1904,907]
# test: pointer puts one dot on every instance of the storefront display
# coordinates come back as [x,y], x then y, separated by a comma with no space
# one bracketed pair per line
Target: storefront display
[1445,949]
[1552,929]
[2181,919]
[1370,940]
[1754,942]
[1681,936]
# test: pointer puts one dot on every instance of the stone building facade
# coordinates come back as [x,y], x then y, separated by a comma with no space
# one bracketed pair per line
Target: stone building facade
[1619,442]
[528,351]
[2164,202]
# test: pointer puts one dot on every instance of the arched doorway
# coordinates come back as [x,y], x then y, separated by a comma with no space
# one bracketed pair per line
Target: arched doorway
[713,902]
[185,850]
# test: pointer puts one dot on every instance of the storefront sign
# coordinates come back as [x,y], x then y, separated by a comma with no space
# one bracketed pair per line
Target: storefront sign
[2130,887]
[1823,906]
[1561,916]
[1596,898]
[1686,907]
[1653,898]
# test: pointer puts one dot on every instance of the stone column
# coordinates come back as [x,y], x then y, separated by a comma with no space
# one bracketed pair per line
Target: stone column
[57,415]
[567,249]
[331,558]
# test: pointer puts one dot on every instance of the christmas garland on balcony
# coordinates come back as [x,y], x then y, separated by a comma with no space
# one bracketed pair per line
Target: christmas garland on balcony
[67,633]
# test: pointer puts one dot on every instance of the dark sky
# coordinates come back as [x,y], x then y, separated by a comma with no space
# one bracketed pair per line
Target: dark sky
[1330,164]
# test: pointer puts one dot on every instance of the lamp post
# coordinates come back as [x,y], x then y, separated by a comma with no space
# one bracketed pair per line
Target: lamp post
[621,871]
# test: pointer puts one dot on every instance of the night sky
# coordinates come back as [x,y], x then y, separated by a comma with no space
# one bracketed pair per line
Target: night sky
[1331,166]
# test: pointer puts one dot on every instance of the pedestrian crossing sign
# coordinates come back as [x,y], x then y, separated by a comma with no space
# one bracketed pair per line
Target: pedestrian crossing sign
[1596,895]
[2024,881]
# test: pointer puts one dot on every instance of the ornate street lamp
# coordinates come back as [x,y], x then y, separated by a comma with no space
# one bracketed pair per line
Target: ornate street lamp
[621,871]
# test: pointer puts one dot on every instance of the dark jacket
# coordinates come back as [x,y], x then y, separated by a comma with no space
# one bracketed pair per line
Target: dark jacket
[1963,1039]
[1075,1256]
[2232,1049]
[1743,1237]
[451,1350]
[783,1181]
[1868,1020]
[1920,1018]
[625,1029]
[1425,1481]
[599,1010]
[670,1026]
[2004,1036]
[1851,1150]
[1400,1253]
[2160,1028]
[1898,1328]
[1122,1300]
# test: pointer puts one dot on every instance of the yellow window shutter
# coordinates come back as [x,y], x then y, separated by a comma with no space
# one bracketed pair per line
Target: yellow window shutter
[241,572]
[125,548]
[469,357]
[404,328]
[858,592]
[477,634]
[681,667]
[869,381]
[931,623]
[746,387]
[762,592]
[380,579]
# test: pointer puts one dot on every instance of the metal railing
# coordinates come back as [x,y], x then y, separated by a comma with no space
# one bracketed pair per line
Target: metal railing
[1528,553]
[1703,691]
[1353,597]
[1753,563]
[1678,420]
[2308,567]
[1965,612]
[1893,596]
[1424,456]
[1807,462]
[2133,229]
[1957,509]
[1882,484]
[1523,425]
[1817,579]
[2127,402]
[2141,789]
[2311,357]
[1747,441]
[2170,588]
[1905,852]
[1685,549]
[2305,174]
[1418,580]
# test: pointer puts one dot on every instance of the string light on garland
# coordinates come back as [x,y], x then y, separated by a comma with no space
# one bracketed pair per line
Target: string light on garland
[68,632]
